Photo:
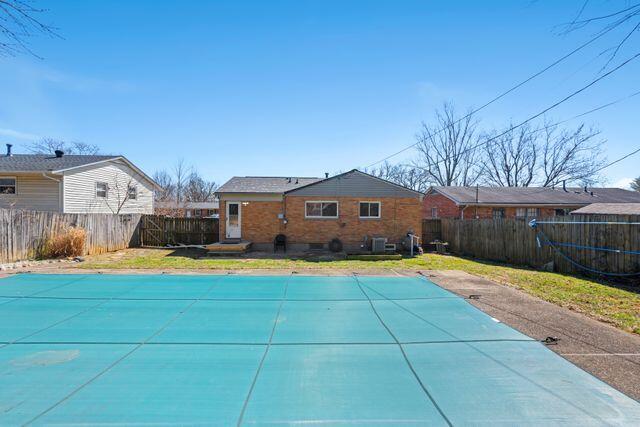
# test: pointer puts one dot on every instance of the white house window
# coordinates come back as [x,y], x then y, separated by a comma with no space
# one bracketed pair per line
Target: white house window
[197,212]
[434,212]
[7,185]
[498,213]
[369,209]
[132,192]
[321,210]
[188,213]
[101,189]
[526,212]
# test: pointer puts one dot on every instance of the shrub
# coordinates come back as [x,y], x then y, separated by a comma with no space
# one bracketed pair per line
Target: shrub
[68,242]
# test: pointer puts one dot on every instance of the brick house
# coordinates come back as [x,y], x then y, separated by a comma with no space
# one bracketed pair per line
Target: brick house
[516,202]
[353,207]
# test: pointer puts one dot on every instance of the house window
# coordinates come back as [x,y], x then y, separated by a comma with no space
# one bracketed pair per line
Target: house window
[526,212]
[101,189]
[434,212]
[562,212]
[321,210]
[197,213]
[188,213]
[498,213]
[7,185]
[132,192]
[369,209]
[212,212]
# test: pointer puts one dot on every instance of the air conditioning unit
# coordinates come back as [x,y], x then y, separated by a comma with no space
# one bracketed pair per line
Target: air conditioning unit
[378,245]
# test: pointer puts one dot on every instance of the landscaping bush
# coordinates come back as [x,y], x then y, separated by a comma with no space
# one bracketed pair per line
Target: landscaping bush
[69,242]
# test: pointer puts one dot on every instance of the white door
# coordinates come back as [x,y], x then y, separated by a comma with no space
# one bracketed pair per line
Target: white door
[233,220]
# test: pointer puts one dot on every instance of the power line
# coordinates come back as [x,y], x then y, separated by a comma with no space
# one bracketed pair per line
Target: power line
[505,93]
[593,110]
[535,116]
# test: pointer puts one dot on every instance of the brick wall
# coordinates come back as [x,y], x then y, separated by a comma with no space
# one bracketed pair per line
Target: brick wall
[509,212]
[448,209]
[260,223]
[445,206]
[397,217]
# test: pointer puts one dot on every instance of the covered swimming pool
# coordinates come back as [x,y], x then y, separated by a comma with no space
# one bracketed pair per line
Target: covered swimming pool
[277,350]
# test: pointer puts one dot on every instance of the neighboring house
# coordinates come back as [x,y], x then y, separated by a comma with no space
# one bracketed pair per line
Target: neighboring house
[188,209]
[516,202]
[609,209]
[74,184]
[353,207]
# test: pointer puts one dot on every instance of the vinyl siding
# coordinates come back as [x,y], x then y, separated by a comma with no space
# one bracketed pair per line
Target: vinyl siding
[80,190]
[354,184]
[34,192]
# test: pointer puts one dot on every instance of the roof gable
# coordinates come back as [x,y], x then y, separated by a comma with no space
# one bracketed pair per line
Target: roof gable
[354,184]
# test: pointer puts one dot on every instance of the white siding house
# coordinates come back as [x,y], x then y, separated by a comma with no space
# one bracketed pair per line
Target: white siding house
[74,184]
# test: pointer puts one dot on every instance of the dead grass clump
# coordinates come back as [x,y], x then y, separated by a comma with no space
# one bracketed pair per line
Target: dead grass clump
[69,242]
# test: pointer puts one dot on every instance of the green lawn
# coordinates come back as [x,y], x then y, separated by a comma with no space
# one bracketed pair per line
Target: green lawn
[616,306]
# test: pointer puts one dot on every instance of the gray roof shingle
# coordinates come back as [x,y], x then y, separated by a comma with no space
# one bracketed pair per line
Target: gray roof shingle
[47,162]
[537,195]
[264,184]
[609,209]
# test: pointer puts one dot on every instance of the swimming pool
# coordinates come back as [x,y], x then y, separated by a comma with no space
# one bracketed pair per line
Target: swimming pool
[241,350]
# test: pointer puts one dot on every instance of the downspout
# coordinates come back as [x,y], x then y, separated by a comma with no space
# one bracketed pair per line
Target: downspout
[462,211]
[60,190]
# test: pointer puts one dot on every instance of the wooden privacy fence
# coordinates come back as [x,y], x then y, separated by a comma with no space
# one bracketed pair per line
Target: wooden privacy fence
[431,231]
[575,238]
[158,230]
[23,234]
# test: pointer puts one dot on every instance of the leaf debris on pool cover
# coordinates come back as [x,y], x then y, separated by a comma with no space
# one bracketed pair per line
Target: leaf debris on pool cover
[224,350]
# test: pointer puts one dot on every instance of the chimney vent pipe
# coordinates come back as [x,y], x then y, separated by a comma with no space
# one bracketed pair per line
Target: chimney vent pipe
[9,150]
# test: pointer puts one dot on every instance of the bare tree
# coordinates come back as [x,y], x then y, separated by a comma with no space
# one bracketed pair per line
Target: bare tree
[447,151]
[406,175]
[19,21]
[511,157]
[635,184]
[49,145]
[181,185]
[124,191]
[181,173]
[165,181]
[626,19]
[570,155]
[198,189]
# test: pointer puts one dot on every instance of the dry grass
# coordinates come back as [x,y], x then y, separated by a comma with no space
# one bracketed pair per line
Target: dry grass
[68,243]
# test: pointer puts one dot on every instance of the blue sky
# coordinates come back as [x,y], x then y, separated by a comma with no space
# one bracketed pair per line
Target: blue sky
[299,87]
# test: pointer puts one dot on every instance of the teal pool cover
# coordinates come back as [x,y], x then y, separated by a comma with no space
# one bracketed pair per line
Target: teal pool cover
[277,350]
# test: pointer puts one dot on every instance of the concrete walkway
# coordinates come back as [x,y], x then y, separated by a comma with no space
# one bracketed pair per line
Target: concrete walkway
[602,350]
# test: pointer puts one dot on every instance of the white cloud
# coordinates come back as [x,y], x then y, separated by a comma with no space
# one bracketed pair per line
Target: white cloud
[623,183]
[18,134]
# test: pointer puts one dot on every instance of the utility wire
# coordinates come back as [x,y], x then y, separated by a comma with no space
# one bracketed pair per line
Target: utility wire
[505,93]
[593,110]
